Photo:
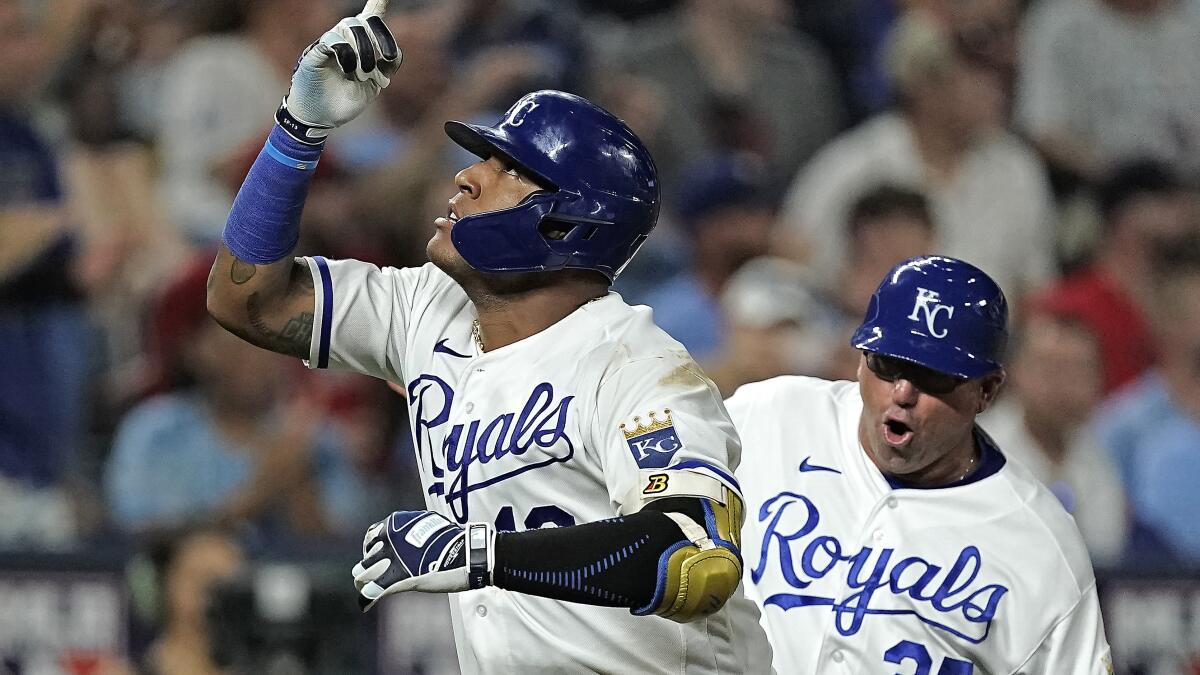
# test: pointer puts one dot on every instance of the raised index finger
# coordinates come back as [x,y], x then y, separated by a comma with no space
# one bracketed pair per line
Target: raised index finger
[375,7]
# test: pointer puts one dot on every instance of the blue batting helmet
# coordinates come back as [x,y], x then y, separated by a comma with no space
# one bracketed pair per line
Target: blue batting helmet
[602,199]
[941,313]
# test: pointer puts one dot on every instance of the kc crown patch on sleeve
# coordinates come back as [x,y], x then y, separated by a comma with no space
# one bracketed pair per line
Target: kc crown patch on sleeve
[652,440]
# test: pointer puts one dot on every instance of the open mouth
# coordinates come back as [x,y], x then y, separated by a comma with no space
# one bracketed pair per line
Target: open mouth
[896,433]
[447,220]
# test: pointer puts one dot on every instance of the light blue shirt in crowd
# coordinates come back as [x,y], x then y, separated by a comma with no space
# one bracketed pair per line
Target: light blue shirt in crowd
[169,464]
[1157,450]
[686,310]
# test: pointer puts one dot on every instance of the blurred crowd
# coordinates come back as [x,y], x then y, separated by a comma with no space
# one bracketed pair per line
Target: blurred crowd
[805,147]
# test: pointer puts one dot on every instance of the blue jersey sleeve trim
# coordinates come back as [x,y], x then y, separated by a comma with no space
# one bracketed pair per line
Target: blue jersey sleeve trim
[700,464]
[326,312]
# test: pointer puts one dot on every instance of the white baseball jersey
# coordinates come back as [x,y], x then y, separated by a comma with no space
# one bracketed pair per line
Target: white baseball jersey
[548,431]
[856,576]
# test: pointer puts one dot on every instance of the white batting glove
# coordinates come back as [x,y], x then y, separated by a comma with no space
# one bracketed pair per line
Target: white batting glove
[339,75]
[422,551]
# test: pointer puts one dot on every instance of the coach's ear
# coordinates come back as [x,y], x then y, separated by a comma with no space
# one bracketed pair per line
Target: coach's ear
[989,389]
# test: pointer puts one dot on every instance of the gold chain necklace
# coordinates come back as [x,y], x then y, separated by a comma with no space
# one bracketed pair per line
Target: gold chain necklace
[477,334]
[970,468]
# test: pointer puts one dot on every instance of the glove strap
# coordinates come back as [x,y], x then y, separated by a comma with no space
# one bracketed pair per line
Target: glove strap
[480,541]
[309,134]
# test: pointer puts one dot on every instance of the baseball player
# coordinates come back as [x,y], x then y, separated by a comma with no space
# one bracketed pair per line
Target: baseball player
[570,450]
[886,533]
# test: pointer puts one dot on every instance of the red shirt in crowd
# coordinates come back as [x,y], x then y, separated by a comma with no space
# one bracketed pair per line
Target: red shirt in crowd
[1122,328]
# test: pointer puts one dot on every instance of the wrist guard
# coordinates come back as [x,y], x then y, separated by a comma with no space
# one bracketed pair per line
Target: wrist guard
[309,134]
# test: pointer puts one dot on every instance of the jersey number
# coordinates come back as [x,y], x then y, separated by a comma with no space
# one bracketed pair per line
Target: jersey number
[539,516]
[918,654]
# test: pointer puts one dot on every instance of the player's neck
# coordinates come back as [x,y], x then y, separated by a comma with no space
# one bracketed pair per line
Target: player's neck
[959,465]
[951,468]
[512,317]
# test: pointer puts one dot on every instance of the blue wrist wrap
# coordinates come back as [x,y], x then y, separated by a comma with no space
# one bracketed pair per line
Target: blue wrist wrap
[264,224]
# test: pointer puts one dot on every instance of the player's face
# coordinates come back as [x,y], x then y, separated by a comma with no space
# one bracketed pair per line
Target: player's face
[490,185]
[916,424]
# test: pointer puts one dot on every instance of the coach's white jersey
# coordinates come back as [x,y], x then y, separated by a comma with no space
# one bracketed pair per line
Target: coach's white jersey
[853,576]
[548,431]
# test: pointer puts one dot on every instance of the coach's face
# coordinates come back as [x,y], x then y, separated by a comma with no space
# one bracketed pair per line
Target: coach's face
[917,425]
[489,185]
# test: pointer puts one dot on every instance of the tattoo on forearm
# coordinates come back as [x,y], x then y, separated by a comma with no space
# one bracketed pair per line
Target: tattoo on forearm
[241,271]
[299,330]
[296,337]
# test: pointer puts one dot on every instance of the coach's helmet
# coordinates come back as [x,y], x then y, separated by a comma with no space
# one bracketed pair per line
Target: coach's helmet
[602,199]
[941,313]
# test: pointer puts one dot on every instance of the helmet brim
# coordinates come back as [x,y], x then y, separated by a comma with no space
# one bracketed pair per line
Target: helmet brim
[946,359]
[470,138]
[484,142]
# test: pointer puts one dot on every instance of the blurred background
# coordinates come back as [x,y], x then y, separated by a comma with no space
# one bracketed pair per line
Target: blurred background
[175,501]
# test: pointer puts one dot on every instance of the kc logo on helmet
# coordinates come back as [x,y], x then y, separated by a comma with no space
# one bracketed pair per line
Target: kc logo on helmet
[927,305]
[516,116]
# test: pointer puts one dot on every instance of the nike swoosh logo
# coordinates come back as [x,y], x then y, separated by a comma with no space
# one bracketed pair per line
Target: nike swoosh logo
[441,348]
[805,467]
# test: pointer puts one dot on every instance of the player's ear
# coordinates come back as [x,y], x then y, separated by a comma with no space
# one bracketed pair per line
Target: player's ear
[989,389]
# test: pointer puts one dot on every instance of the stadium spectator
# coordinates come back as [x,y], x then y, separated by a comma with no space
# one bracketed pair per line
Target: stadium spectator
[727,215]
[1152,428]
[44,331]
[1143,207]
[855,34]
[849,32]
[732,76]
[988,190]
[188,565]
[1055,382]
[777,320]
[549,30]
[986,32]
[242,442]
[214,101]
[774,326]
[1105,80]
[886,225]
[109,81]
